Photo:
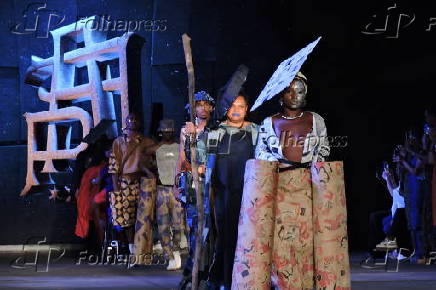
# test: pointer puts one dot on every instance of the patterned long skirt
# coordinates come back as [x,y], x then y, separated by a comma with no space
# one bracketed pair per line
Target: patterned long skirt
[169,219]
[124,202]
[144,221]
[292,228]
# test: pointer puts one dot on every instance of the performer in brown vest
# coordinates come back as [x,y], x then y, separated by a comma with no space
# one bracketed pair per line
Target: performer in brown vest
[132,200]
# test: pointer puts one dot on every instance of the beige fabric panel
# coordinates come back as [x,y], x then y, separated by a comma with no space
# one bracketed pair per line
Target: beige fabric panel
[292,224]
[252,267]
[330,223]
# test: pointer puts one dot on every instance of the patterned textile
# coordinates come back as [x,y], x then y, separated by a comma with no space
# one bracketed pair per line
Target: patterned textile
[137,151]
[123,202]
[113,164]
[144,221]
[292,228]
[201,145]
[169,218]
[316,146]
[332,269]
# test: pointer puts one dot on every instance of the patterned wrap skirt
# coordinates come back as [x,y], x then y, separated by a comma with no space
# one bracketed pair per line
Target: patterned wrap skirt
[292,229]
[124,202]
[144,221]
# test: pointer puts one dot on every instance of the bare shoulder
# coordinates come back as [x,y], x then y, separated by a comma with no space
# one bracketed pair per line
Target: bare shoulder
[272,118]
[309,114]
[117,141]
[148,141]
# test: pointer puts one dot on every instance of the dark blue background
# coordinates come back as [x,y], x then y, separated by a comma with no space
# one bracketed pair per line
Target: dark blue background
[368,87]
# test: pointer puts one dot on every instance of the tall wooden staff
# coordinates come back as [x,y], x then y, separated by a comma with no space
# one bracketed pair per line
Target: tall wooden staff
[193,147]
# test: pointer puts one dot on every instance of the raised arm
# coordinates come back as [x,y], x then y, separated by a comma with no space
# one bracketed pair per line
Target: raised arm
[391,184]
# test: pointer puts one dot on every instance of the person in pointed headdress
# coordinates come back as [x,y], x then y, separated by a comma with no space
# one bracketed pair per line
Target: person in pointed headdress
[229,146]
[292,227]
[233,143]
[289,136]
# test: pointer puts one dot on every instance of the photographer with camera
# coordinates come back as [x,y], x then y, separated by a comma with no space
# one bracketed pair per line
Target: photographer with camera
[388,225]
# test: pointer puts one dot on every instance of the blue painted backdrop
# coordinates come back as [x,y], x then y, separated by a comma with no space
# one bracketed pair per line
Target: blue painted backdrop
[356,81]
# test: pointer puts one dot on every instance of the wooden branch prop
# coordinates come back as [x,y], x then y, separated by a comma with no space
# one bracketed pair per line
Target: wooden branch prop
[193,148]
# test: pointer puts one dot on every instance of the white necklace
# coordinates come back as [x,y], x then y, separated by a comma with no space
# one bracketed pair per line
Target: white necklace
[292,118]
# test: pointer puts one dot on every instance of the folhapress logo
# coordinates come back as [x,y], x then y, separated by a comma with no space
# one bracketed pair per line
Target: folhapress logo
[40,258]
[390,23]
[38,20]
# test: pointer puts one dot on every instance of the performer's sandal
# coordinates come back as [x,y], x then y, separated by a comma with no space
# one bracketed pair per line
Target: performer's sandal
[176,262]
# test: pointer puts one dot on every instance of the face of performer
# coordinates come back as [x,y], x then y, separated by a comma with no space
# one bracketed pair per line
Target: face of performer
[167,136]
[203,109]
[294,96]
[132,122]
[238,110]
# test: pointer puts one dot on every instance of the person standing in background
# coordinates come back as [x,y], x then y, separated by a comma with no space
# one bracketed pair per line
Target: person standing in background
[132,200]
[169,211]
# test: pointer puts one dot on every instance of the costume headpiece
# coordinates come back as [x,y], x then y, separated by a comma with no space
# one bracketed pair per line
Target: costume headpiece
[284,74]
[230,91]
[202,96]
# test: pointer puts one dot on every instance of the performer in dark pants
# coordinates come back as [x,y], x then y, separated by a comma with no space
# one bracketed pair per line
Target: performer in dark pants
[235,139]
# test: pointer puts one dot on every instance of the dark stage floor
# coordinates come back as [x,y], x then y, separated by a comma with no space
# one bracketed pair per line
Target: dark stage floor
[65,274]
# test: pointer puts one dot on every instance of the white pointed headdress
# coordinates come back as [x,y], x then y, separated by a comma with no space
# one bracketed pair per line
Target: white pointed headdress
[284,74]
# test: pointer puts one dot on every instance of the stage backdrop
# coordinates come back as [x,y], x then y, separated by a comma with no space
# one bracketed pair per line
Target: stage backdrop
[368,81]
